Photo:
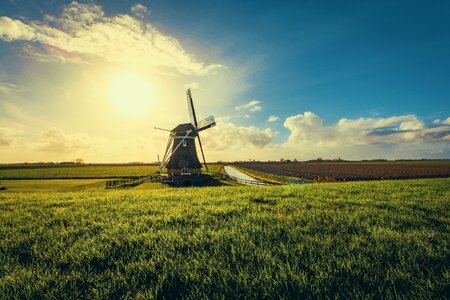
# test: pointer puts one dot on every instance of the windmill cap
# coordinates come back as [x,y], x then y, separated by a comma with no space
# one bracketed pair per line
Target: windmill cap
[182,129]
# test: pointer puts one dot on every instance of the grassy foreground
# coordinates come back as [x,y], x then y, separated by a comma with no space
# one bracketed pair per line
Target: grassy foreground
[361,239]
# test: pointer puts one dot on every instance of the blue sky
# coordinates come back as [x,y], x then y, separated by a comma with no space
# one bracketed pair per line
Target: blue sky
[349,63]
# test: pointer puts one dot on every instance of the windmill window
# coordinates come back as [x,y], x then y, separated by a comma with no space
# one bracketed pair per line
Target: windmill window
[184,143]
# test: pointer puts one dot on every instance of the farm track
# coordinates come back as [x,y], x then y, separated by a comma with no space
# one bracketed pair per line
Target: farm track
[351,171]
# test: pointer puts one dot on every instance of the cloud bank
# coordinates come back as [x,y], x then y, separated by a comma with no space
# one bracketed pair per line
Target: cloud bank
[56,141]
[404,136]
[228,136]
[309,129]
[83,32]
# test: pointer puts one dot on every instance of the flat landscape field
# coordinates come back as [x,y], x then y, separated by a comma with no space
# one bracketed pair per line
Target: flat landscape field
[344,171]
[52,185]
[377,239]
[55,171]
[80,171]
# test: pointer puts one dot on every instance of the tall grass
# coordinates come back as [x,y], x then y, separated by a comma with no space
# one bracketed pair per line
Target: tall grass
[349,240]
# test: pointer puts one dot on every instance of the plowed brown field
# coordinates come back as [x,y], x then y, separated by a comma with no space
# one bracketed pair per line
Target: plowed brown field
[353,171]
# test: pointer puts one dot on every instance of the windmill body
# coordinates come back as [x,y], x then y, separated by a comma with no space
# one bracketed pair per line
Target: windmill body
[180,159]
[184,160]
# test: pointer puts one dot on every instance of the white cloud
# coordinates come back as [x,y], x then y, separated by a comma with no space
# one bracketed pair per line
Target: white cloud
[309,128]
[56,141]
[252,106]
[8,136]
[84,32]
[412,125]
[439,121]
[139,10]
[227,135]
[12,29]
[272,119]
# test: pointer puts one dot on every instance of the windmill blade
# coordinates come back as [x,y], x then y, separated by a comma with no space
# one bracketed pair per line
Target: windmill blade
[203,154]
[191,108]
[163,129]
[167,152]
[168,147]
[206,123]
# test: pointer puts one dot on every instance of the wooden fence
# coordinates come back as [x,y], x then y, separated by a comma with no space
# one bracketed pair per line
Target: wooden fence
[122,183]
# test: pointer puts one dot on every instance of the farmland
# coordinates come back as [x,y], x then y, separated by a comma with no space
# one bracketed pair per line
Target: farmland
[81,171]
[353,171]
[52,185]
[387,239]
[44,171]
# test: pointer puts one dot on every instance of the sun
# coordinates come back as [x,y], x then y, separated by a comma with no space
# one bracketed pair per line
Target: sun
[131,94]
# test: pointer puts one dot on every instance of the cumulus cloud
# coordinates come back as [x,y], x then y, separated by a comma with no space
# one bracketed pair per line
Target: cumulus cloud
[12,29]
[444,122]
[139,10]
[272,119]
[56,141]
[309,128]
[227,135]
[8,136]
[85,32]
[252,106]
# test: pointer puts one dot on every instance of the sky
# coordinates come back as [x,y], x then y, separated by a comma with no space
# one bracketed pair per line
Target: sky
[292,80]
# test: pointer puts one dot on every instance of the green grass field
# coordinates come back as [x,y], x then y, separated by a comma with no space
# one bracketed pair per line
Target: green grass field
[83,171]
[52,185]
[386,239]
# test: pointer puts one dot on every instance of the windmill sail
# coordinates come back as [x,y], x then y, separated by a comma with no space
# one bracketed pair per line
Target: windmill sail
[203,154]
[191,109]
[206,123]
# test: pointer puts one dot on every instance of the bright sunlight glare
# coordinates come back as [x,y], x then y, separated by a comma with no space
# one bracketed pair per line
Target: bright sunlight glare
[130,94]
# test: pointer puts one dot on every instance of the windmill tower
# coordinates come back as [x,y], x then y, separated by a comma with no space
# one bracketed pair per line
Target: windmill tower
[180,158]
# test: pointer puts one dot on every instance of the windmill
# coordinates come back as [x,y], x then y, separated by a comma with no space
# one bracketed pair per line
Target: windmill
[180,157]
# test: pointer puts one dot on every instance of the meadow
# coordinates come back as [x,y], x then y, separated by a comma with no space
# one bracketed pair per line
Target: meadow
[54,171]
[378,239]
[52,185]
[80,172]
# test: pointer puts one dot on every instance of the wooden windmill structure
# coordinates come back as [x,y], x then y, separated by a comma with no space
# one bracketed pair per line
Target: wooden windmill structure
[180,158]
